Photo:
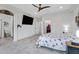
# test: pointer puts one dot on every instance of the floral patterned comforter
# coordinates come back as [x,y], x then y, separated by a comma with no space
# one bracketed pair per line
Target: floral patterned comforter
[55,41]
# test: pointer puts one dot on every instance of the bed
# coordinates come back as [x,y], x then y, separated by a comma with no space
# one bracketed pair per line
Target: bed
[55,41]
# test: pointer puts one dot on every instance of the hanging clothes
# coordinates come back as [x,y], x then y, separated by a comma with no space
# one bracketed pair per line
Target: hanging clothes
[48,28]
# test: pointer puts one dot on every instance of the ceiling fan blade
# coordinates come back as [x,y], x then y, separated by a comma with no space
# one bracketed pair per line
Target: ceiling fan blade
[35,6]
[45,7]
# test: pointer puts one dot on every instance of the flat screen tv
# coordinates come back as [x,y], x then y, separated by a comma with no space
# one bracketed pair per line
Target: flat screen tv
[27,20]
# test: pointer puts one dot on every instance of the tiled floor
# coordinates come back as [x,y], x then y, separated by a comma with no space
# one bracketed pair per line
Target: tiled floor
[25,46]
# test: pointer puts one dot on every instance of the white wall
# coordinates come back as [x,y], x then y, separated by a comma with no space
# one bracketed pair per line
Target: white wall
[60,19]
[26,30]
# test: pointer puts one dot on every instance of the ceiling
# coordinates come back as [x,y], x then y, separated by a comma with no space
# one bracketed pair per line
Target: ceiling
[30,9]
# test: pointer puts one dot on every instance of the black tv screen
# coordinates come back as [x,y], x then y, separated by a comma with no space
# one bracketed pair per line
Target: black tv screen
[27,20]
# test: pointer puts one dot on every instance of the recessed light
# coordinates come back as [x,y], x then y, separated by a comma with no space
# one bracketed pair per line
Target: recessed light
[61,7]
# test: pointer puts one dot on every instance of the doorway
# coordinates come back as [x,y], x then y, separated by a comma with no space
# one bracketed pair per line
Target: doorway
[6,27]
[47,26]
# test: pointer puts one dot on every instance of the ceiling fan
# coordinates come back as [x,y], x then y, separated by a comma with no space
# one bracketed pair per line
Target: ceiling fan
[40,7]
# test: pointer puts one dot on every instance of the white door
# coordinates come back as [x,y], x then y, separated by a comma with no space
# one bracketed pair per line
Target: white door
[38,27]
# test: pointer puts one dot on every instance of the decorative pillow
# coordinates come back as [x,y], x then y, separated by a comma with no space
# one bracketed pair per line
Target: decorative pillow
[76,44]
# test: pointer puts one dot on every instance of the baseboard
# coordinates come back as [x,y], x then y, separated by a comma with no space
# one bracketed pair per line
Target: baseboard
[27,37]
